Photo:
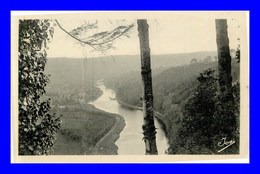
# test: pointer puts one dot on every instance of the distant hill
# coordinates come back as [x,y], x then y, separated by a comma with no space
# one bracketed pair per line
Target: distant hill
[69,75]
[102,66]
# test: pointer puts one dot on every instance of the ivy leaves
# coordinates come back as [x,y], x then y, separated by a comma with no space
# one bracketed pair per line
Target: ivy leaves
[37,126]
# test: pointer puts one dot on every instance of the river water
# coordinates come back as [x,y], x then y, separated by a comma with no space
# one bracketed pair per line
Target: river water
[130,141]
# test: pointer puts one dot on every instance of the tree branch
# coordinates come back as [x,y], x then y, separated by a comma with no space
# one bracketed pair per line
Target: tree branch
[114,38]
[100,44]
[71,34]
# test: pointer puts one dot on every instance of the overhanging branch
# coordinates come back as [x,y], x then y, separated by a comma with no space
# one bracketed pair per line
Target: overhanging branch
[103,42]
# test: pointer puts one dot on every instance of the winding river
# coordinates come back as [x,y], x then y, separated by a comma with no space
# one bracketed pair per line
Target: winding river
[130,141]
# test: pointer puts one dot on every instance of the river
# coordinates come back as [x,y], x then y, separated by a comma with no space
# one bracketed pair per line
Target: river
[130,141]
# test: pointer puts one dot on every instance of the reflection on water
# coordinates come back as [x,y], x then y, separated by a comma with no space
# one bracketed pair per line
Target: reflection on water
[130,141]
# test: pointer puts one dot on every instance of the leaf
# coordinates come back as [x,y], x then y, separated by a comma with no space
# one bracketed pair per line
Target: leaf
[31,148]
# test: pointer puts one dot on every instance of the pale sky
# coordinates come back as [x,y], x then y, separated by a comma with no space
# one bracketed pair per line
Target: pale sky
[168,33]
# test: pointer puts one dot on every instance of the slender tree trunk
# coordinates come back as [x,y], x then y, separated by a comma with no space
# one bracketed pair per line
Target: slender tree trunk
[224,58]
[148,126]
[225,79]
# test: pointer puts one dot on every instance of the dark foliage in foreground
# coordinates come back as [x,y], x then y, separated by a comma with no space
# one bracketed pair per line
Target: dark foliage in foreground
[203,127]
[37,126]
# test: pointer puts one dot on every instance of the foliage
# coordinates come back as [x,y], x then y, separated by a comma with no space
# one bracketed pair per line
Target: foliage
[198,128]
[238,54]
[37,126]
[206,120]
[194,61]
[236,94]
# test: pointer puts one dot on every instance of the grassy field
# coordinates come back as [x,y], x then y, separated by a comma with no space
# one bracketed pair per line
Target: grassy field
[81,129]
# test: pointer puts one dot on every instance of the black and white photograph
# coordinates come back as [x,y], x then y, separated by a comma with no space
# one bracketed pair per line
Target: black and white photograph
[128,86]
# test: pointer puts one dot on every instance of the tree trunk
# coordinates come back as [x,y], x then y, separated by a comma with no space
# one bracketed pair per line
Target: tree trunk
[225,79]
[148,126]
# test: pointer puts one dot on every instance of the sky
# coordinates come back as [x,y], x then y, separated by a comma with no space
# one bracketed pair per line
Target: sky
[168,33]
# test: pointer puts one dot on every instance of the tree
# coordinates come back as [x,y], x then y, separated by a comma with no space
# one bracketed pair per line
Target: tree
[237,56]
[196,136]
[207,59]
[37,126]
[194,61]
[226,99]
[148,126]
[216,58]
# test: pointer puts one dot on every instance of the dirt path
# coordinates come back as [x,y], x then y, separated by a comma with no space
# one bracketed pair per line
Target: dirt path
[99,143]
